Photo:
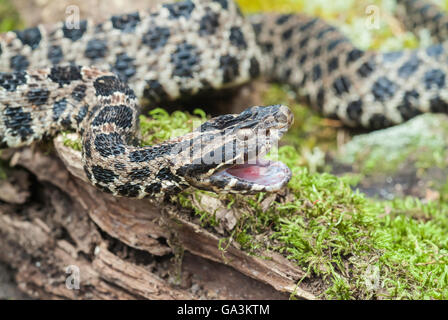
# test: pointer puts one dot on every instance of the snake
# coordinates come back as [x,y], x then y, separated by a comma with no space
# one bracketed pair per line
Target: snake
[88,77]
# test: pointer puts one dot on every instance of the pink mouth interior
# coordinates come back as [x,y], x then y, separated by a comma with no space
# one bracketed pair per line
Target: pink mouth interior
[263,172]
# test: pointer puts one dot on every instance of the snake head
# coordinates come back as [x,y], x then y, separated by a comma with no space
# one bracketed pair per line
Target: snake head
[226,153]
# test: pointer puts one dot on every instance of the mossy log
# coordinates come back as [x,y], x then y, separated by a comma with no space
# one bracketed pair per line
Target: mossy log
[123,248]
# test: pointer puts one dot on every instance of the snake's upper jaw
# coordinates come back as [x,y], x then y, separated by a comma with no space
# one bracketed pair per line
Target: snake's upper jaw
[249,136]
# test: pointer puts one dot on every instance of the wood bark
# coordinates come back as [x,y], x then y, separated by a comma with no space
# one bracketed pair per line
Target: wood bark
[123,248]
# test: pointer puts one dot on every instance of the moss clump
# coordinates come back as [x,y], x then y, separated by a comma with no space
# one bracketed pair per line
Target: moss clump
[412,238]
[71,141]
[160,125]
[9,17]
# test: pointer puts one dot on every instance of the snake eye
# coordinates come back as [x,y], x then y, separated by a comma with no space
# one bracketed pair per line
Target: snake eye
[244,134]
[281,118]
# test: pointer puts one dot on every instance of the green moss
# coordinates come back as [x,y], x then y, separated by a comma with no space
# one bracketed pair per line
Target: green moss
[9,17]
[71,141]
[359,247]
[159,125]
[412,236]
[328,229]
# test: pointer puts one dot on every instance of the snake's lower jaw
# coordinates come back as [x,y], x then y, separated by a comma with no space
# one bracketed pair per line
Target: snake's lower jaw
[250,178]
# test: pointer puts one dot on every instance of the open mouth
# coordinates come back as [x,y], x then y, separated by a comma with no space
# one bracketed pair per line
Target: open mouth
[267,174]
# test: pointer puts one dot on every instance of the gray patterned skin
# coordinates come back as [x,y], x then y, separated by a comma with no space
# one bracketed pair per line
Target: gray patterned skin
[361,88]
[182,49]
[104,111]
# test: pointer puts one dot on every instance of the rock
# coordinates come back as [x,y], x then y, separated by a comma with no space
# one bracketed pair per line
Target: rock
[406,159]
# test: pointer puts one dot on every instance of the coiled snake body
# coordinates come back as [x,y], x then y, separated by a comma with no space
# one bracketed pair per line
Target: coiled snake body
[188,47]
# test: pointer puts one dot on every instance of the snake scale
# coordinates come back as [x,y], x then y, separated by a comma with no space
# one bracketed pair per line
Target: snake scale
[89,78]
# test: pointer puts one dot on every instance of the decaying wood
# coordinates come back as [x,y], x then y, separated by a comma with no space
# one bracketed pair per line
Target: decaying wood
[124,248]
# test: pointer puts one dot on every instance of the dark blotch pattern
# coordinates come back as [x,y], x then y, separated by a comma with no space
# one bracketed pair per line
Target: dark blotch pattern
[354,55]
[124,67]
[154,91]
[366,69]
[334,43]
[407,107]
[197,168]
[107,85]
[378,121]
[180,9]
[156,37]
[74,33]
[392,56]
[165,174]
[185,59]
[96,49]
[237,38]
[303,42]
[317,72]
[126,22]
[317,52]
[409,67]
[140,174]
[434,50]
[283,18]
[86,148]
[322,33]
[30,37]
[286,35]
[308,25]
[150,153]
[153,188]
[383,89]
[103,175]
[81,114]
[55,54]
[302,59]
[354,110]
[254,69]
[18,122]
[19,62]
[128,190]
[230,68]
[79,92]
[208,24]
[320,99]
[58,108]
[333,64]
[37,96]
[11,80]
[341,85]
[121,116]
[65,75]
[438,105]
[109,144]
[288,52]
[434,77]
